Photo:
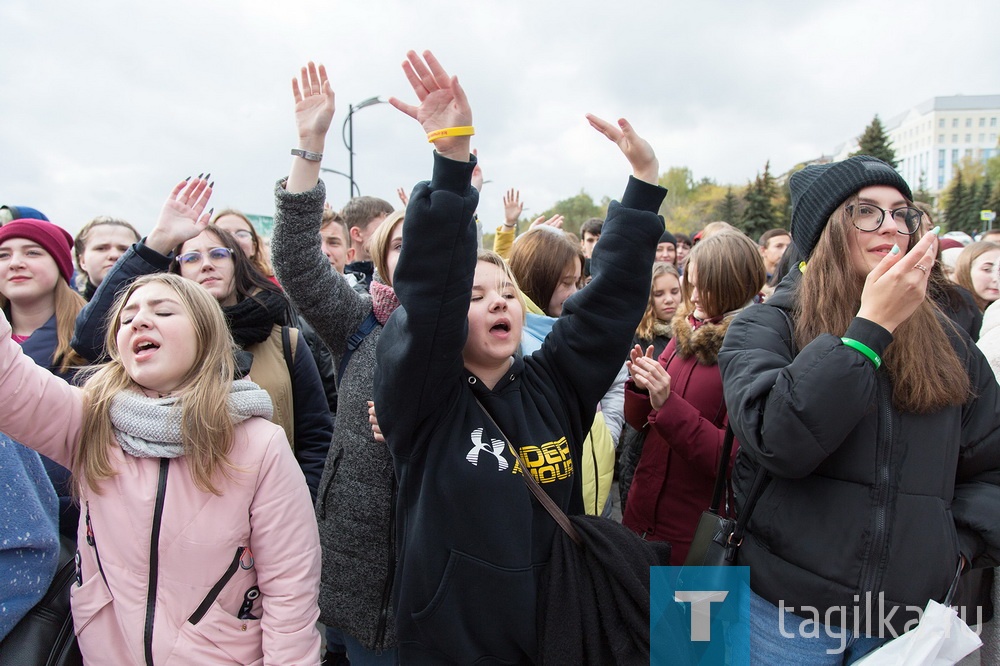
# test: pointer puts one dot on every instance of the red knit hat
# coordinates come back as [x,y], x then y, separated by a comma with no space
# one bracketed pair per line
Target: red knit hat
[56,241]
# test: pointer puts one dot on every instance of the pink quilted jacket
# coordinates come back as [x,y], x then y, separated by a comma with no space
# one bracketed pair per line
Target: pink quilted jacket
[169,574]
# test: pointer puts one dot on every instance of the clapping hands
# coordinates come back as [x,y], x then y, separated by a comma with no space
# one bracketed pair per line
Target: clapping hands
[649,375]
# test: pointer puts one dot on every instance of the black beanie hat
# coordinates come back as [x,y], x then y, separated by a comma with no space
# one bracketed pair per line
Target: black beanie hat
[667,237]
[818,189]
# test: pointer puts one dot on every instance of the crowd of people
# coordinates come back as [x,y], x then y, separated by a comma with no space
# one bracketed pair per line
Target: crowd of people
[312,451]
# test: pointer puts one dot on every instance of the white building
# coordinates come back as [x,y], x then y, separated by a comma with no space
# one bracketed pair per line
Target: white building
[933,137]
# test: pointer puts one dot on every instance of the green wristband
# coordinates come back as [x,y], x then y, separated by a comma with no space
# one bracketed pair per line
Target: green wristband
[864,350]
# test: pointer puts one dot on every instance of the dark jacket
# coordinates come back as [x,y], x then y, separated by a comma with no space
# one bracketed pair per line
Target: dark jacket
[676,473]
[473,540]
[863,498]
[354,510]
[313,424]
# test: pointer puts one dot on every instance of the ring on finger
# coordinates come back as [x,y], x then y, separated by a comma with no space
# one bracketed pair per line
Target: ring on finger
[921,267]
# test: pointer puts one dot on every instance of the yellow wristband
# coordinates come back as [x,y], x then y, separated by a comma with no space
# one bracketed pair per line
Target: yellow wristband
[467,130]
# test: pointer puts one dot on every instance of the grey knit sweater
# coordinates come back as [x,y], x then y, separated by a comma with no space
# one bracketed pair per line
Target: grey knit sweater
[354,507]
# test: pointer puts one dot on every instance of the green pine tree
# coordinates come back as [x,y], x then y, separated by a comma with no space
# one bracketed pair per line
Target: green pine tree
[970,210]
[954,199]
[759,214]
[985,199]
[875,142]
[729,210]
[922,193]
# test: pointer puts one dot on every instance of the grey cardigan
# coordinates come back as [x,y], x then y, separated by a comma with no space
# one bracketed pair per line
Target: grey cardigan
[354,508]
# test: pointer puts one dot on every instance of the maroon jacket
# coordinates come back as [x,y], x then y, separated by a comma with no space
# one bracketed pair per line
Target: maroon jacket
[675,476]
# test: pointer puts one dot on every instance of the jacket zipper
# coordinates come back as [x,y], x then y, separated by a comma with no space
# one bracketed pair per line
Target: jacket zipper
[154,552]
[883,449]
[213,594]
[91,541]
[391,573]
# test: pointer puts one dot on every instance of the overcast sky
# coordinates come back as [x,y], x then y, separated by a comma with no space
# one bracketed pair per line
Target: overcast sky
[106,105]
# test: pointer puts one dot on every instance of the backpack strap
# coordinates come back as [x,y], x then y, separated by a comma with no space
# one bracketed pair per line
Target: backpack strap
[353,342]
[289,343]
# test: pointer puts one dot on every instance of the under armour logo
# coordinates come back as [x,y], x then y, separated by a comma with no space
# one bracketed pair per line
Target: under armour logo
[494,447]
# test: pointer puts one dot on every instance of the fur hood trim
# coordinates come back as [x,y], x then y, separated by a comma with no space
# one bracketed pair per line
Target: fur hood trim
[704,342]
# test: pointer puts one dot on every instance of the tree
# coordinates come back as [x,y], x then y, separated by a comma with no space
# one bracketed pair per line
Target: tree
[985,201]
[575,211]
[875,142]
[956,204]
[729,210]
[922,193]
[760,215]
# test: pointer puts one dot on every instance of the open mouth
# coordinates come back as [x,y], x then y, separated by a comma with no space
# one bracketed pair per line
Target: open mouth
[501,327]
[144,348]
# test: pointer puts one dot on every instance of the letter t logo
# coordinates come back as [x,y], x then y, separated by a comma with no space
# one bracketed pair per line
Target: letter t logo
[701,610]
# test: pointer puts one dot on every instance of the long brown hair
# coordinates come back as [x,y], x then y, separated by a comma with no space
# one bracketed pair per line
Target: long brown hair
[68,304]
[206,427]
[829,297]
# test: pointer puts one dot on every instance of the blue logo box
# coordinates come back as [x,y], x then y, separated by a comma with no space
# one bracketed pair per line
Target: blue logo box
[699,616]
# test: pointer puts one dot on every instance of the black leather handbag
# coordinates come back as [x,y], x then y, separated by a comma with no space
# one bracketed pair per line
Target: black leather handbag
[45,636]
[718,538]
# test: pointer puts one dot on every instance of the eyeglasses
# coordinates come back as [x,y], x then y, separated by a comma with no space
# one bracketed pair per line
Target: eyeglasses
[869,217]
[243,234]
[216,254]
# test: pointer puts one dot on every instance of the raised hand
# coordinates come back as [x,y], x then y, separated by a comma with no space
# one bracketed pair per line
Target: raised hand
[314,104]
[554,221]
[314,107]
[512,207]
[637,150]
[403,196]
[183,215]
[898,284]
[443,103]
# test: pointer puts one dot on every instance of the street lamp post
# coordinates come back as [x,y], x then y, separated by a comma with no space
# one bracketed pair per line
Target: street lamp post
[347,134]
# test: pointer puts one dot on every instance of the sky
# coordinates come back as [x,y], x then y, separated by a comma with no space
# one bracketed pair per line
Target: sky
[107,104]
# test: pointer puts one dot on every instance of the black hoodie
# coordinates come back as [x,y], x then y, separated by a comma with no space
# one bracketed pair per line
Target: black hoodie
[473,540]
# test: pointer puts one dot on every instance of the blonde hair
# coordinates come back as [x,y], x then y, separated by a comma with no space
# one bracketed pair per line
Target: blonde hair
[645,328]
[68,304]
[206,427]
[490,257]
[378,243]
[829,297]
[963,268]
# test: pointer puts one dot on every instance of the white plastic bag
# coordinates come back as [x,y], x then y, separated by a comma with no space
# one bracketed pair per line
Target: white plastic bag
[941,639]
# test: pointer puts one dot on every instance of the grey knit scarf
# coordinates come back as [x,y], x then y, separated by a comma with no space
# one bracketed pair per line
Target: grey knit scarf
[151,427]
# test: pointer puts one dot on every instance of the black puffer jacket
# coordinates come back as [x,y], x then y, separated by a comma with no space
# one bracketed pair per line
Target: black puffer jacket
[863,498]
